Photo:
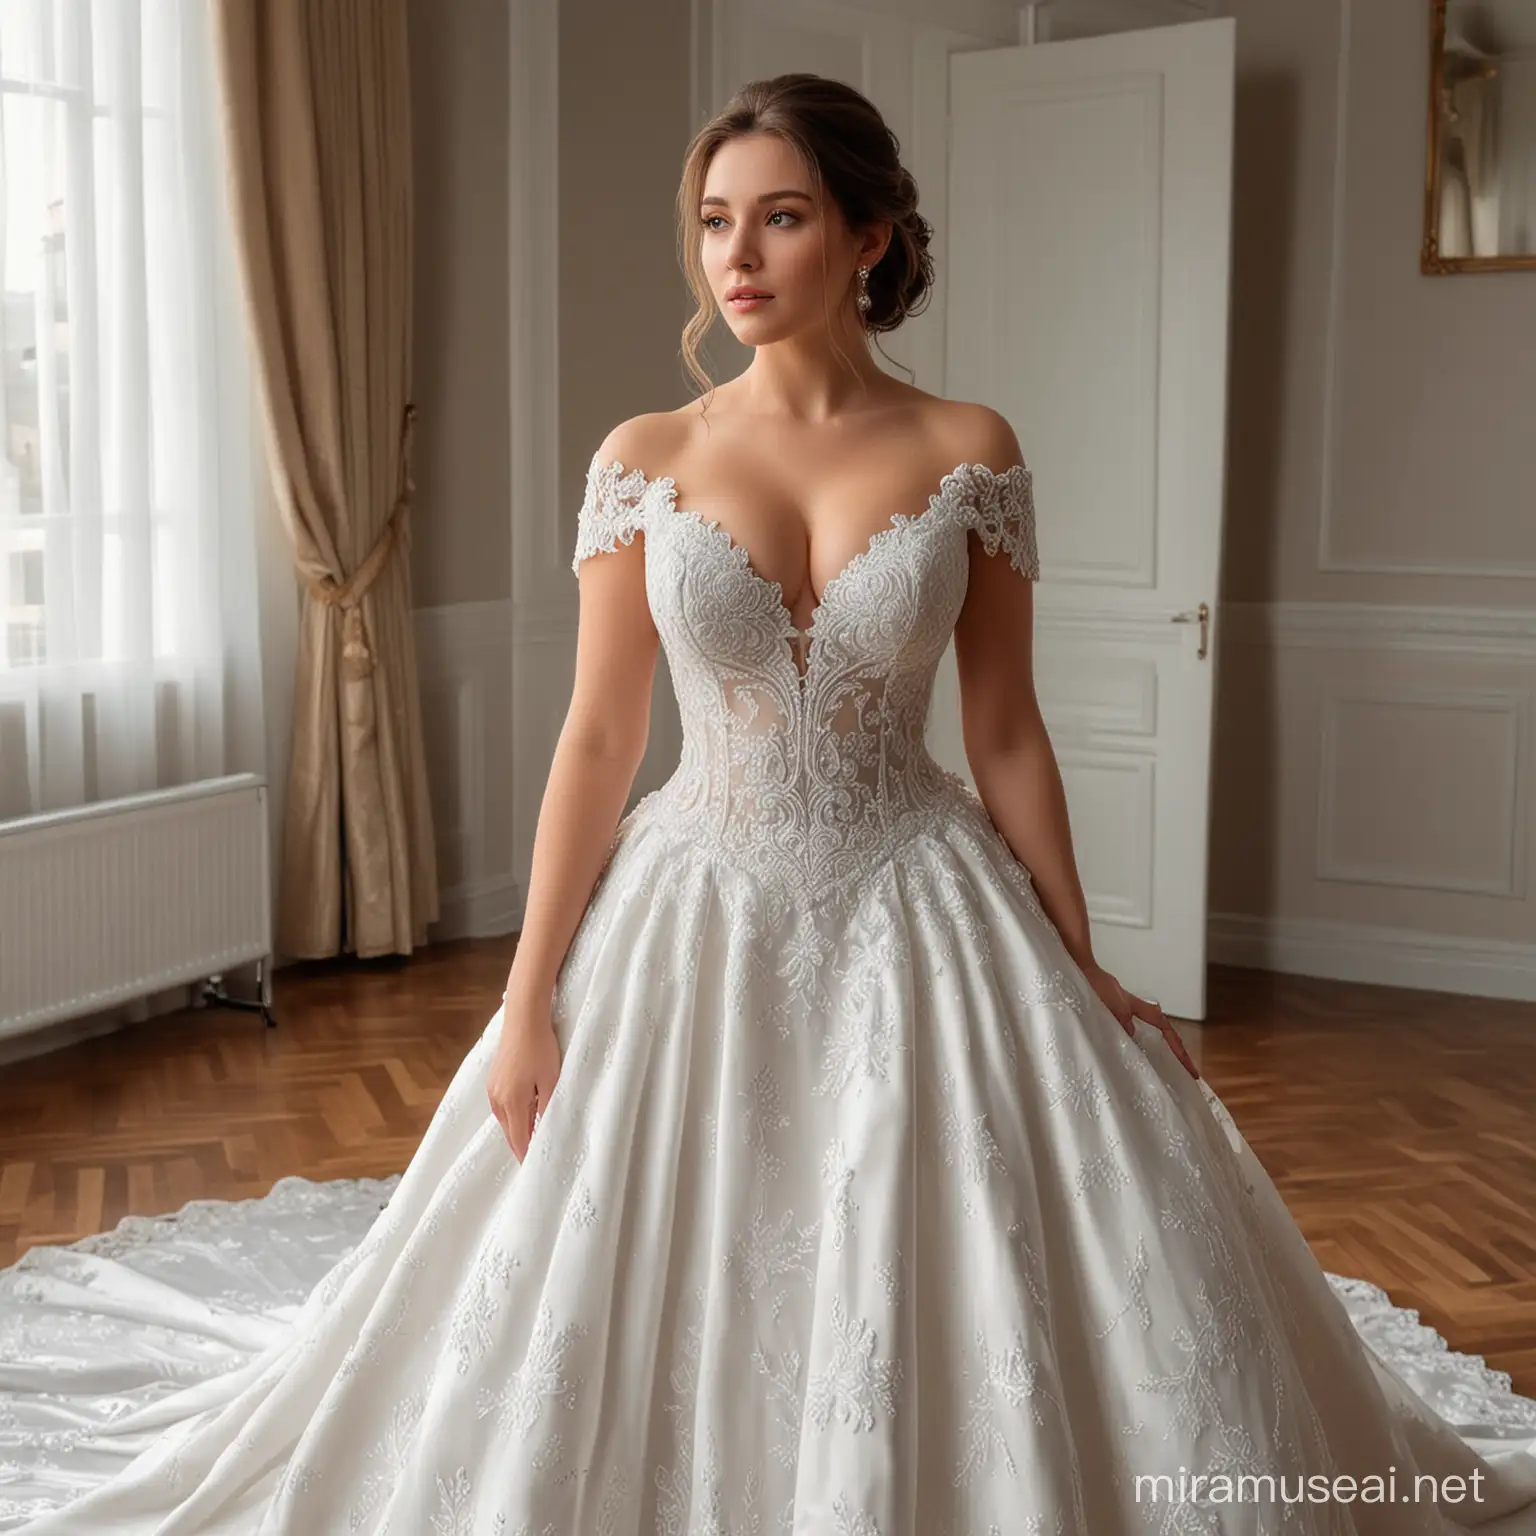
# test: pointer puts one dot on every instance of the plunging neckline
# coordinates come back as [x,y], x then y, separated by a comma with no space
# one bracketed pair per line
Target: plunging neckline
[667,486]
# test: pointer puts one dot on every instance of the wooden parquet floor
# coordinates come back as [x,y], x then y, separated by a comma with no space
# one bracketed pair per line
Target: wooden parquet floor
[1400,1126]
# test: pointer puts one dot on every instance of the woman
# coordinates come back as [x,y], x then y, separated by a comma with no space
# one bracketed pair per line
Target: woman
[865,1206]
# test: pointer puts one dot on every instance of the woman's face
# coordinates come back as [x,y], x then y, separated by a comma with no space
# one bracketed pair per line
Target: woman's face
[763,231]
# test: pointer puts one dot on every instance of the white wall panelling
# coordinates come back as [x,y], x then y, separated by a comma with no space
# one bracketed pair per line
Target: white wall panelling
[1398,835]
[535,688]
[1486,633]
[462,659]
[1422,788]
[1371,953]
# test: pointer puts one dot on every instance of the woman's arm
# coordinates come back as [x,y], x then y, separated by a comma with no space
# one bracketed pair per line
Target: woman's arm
[601,745]
[583,799]
[1006,744]
[1009,752]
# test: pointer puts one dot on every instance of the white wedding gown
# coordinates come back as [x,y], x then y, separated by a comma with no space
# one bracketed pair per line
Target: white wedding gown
[855,1212]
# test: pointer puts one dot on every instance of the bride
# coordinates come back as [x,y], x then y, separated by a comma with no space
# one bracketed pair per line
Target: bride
[813,1177]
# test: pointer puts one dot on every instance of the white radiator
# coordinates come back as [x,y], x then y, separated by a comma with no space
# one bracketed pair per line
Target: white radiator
[121,898]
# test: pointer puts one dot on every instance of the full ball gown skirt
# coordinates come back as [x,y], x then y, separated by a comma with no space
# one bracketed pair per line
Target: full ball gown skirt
[855,1212]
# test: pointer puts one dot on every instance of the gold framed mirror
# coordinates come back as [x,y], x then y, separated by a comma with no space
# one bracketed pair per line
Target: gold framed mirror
[1480,181]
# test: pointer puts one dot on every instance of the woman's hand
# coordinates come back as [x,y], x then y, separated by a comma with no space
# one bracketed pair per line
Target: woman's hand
[1126,1006]
[523,1072]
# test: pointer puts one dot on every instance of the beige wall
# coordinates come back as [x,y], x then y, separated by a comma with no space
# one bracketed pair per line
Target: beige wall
[599,94]
[1432,460]
[624,124]
[460,76]
[1372,760]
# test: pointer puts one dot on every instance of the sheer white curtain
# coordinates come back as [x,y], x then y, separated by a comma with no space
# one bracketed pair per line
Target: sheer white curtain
[127,585]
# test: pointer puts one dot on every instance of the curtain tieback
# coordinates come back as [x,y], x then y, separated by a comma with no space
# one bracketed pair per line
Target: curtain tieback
[348,595]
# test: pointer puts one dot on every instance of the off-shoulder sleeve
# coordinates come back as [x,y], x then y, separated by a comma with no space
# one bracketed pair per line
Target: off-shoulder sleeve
[612,510]
[1002,511]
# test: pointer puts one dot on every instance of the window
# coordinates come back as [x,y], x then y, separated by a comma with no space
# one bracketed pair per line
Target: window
[112,351]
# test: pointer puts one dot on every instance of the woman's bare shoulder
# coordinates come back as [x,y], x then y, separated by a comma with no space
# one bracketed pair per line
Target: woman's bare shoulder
[647,442]
[972,433]
[957,431]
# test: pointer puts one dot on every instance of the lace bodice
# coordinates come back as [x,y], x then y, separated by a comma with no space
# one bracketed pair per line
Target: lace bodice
[806,777]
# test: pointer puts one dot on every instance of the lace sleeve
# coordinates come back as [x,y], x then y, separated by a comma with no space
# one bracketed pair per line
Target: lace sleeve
[611,510]
[1002,511]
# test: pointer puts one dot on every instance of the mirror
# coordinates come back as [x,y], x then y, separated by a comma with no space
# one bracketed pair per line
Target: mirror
[1480,192]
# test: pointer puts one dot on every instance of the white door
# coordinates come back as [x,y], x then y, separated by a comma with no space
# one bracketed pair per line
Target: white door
[1087,267]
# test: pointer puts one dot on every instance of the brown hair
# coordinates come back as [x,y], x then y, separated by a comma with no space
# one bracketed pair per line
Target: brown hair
[851,155]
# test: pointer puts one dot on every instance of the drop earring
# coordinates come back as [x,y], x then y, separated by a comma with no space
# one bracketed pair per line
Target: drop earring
[863,299]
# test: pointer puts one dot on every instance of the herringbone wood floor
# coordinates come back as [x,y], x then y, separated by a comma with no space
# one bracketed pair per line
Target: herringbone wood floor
[1399,1126]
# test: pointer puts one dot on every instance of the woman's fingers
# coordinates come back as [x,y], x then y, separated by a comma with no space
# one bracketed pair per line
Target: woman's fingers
[517,1110]
[1158,1019]
[532,1109]
[515,1126]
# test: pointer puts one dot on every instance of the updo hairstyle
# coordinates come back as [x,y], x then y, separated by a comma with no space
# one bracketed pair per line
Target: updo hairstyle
[852,157]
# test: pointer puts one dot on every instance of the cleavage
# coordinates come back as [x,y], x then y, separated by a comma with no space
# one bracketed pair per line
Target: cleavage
[769,550]
[769,542]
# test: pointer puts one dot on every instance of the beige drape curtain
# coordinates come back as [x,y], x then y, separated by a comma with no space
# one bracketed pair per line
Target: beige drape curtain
[318,134]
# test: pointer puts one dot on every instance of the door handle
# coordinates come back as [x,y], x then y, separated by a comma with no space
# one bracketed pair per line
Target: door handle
[1202,614]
